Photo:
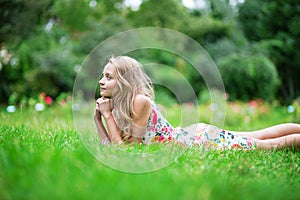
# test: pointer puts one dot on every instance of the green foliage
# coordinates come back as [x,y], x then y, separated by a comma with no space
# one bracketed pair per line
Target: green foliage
[62,32]
[221,9]
[44,65]
[276,21]
[249,76]
[73,13]
[203,29]
[99,31]
[54,73]
[19,19]
[251,14]
[153,13]
[223,47]
[207,29]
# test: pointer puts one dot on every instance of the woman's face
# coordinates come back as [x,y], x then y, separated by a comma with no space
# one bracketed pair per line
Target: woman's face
[108,81]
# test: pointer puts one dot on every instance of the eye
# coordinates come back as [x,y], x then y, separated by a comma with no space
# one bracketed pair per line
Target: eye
[108,77]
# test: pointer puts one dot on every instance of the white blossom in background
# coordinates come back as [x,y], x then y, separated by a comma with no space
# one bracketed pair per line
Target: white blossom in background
[39,107]
[11,109]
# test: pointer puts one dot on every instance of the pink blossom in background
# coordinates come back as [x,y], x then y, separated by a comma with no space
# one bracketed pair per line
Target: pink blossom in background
[236,108]
[48,100]
[253,104]
[264,109]
[63,102]
[226,95]
[247,119]
[42,95]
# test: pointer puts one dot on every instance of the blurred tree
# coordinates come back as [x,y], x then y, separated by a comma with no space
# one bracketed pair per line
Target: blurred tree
[54,72]
[99,31]
[202,28]
[221,9]
[53,36]
[102,8]
[72,13]
[43,64]
[275,24]
[248,77]
[168,14]
[223,47]
[80,15]
[19,19]
[207,30]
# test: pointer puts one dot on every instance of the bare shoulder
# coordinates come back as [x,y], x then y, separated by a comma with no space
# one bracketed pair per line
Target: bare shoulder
[141,99]
[141,104]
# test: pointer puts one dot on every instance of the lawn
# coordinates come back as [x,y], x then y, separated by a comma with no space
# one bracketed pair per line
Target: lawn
[42,157]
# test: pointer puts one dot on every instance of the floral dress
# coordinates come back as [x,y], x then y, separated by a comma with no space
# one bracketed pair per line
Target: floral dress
[207,136]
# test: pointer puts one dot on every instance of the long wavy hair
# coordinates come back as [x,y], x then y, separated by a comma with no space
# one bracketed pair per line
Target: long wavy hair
[131,80]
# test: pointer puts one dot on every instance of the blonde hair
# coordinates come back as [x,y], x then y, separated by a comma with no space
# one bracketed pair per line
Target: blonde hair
[131,80]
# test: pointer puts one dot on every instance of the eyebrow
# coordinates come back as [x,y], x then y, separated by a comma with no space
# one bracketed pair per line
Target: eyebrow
[107,74]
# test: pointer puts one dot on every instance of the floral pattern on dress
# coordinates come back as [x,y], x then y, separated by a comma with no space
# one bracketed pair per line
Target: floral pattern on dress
[159,130]
[163,131]
[211,137]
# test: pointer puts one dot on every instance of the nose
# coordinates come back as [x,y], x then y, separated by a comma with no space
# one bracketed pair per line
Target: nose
[101,82]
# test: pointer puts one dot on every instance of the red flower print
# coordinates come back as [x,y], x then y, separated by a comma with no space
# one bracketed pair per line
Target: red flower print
[197,139]
[237,146]
[154,118]
[164,129]
[161,138]
[155,139]
[249,143]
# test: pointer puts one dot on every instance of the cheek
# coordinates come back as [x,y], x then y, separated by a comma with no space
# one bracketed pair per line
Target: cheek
[112,84]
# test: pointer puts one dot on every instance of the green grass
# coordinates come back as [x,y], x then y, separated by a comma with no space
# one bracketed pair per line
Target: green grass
[42,157]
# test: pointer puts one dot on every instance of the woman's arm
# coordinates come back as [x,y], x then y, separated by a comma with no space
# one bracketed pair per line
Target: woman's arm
[104,138]
[100,127]
[113,131]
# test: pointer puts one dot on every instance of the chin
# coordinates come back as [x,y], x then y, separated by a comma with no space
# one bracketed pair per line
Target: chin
[105,96]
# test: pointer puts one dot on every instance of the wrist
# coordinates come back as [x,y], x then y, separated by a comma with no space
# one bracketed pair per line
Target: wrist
[107,115]
[97,117]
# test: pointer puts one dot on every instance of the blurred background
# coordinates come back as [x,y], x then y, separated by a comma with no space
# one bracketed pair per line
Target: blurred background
[255,43]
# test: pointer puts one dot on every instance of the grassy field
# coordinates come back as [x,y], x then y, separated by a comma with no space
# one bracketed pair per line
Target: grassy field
[42,157]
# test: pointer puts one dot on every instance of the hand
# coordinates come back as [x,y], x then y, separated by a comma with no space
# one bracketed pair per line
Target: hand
[103,105]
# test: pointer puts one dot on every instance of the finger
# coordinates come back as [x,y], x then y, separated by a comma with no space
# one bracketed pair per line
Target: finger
[105,101]
[98,101]
[105,98]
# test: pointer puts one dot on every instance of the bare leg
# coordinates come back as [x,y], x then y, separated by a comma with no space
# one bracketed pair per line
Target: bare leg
[288,141]
[277,131]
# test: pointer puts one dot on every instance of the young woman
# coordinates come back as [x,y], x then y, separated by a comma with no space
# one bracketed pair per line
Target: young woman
[131,115]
